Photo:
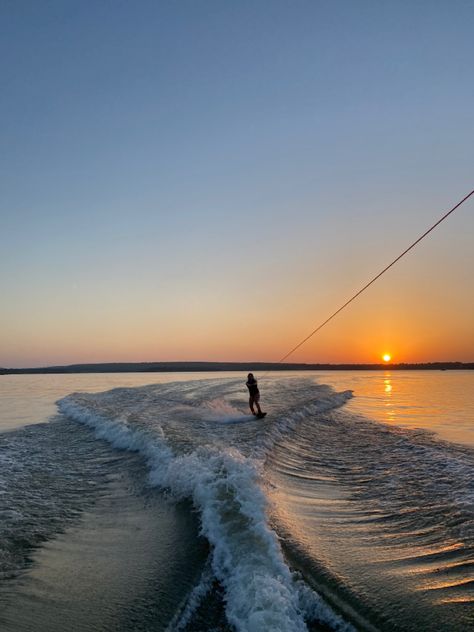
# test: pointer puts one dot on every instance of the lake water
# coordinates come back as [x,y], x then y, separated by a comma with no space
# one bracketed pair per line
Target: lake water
[155,501]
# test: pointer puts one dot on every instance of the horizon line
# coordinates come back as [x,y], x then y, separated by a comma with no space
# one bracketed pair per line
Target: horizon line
[212,365]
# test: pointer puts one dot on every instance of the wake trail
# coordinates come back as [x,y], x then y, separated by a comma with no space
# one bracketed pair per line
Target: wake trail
[191,460]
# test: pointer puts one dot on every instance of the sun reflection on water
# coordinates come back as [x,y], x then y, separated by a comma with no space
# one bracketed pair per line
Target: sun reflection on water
[389,406]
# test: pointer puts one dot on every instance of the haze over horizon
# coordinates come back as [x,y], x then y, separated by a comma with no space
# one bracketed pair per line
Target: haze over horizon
[182,366]
[205,181]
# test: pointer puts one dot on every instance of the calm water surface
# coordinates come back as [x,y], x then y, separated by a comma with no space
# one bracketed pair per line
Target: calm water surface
[437,401]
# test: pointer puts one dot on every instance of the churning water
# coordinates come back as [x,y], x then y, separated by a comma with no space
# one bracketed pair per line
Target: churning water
[168,506]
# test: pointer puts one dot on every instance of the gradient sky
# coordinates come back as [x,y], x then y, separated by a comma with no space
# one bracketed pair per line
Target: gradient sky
[210,180]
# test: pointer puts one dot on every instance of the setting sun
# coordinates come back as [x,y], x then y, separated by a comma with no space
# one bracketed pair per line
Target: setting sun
[386,357]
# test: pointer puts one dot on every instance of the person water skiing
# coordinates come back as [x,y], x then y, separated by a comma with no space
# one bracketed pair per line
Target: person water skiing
[254,394]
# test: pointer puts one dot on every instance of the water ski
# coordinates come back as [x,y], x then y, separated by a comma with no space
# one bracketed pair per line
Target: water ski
[260,415]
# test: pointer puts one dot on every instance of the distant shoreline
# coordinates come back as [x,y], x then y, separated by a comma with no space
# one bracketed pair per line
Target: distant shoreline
[180,367]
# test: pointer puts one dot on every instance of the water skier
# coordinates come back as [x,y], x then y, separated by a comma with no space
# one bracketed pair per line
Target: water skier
[254,395]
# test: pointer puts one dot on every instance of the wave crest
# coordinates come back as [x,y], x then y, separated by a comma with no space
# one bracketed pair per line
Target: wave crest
[226,487]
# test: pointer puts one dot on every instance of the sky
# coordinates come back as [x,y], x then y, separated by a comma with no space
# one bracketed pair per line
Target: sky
[210,180]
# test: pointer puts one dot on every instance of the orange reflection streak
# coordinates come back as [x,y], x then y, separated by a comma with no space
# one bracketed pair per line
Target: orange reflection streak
[389,407]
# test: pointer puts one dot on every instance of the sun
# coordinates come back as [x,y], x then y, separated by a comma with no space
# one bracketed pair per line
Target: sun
[386,357]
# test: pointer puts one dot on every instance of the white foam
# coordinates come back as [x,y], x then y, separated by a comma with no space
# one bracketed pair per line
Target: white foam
[218,410]
[261,591]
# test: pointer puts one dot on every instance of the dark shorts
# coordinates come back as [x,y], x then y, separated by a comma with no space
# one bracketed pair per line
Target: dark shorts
[255,398]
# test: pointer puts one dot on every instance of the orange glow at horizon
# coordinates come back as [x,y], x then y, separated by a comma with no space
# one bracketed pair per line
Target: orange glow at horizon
[231,217]
[205,325]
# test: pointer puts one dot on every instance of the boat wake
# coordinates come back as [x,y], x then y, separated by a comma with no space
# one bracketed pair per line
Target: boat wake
[191,455]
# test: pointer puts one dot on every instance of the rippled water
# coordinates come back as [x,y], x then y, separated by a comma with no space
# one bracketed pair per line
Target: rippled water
[335,512]
[437,401]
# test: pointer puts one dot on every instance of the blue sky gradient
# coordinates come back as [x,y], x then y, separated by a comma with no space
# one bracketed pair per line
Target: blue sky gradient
[181,179]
